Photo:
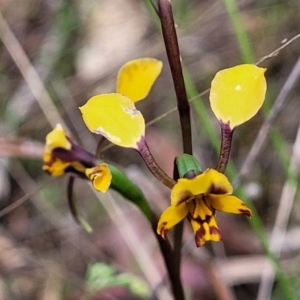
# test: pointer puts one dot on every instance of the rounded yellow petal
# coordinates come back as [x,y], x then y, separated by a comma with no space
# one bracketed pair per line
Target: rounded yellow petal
[115,117]
[238,93]
[228,204]
[170,217]
[57,139]
[211,181]
[100,177]
[136,77]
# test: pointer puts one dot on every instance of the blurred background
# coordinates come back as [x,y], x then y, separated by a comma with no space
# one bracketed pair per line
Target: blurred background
[56,54]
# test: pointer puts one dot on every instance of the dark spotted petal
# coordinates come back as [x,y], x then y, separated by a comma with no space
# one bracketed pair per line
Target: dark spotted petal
[228,204]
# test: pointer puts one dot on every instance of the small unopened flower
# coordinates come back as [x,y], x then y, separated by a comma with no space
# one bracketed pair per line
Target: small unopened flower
[62,155]
[198,199]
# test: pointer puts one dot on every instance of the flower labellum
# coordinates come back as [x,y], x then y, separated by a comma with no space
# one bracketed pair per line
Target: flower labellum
[100,176]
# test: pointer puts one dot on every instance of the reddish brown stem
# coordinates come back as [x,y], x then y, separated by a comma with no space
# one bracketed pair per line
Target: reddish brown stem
[169,258]
[152,165]
[171,44]
[226,139]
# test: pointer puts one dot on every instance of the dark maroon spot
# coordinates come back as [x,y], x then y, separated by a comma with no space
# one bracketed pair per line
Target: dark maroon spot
[215,230]
[163,232]
[184,196]
[245,212]
[217,190]
[199,235]
[201,221]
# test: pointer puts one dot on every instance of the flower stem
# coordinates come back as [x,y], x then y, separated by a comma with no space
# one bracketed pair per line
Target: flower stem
[169,258]
[226,139]
[73,207]
[152,165]
[171,44]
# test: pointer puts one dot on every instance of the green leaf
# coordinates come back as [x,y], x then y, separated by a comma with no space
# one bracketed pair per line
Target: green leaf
[123,185]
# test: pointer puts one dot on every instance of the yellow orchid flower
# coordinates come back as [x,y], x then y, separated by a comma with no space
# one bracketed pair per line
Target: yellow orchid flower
[198,199]
[62,155]
[237,94]
[114,115]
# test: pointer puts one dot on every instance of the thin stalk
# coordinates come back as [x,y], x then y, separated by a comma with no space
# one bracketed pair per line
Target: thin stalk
[169,258]
[152,165]
[178,232]
[226,139]
[173,53]
[78,217]
[71,203]
[171,44]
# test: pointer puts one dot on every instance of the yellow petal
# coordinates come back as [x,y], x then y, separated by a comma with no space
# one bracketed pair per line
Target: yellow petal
[115,117]
[47,156]
[207,231]
[238,93]
[228,204]
[211,181]
[136,77]
[54,167]
[100,177]
[170,217]
[57,139]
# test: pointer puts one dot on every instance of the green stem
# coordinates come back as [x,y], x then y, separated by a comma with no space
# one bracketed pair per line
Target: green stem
[171,44]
